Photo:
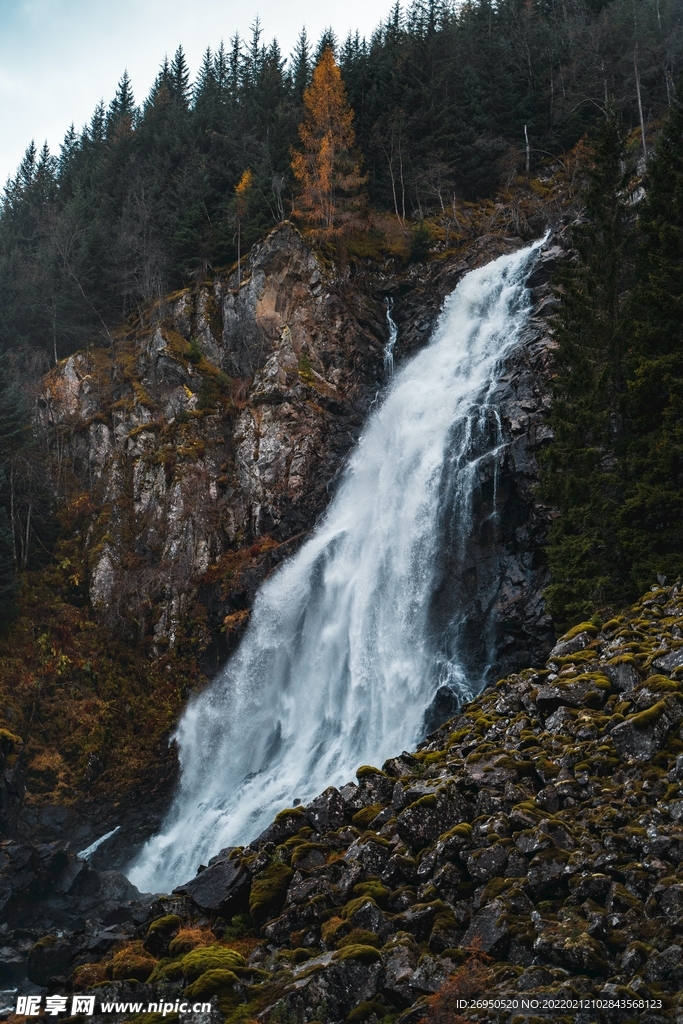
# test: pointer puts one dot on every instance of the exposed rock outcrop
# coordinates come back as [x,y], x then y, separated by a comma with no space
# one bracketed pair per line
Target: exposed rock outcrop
[196,478]
[207,442]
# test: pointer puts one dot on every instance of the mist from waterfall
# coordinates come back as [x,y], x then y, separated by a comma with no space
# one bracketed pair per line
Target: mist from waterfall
[339,665]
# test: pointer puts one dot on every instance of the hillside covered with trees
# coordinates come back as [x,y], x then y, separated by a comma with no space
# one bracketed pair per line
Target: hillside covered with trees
[615,470]
[450,102]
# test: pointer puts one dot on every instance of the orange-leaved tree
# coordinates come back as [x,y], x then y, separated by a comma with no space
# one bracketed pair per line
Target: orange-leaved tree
[242,194]
[328,169]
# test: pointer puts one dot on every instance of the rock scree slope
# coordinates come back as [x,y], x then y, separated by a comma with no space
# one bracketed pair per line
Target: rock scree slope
[529,849]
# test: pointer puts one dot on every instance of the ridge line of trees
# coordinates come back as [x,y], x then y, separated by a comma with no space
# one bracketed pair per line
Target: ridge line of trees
[444,95]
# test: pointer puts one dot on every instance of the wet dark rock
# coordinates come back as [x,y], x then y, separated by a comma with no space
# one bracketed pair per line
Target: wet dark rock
[533,978]
[327,812]
[286,825]
[487,863]
[573,947]
[50,960]
[302,889]
[623,675]
[669,662]
[546,872]
[640,737]
[338,988]
[429,976]
[489,930]
[430,816]
[370,918]
[400,961]
[585,886]
[418,920]
[577,693]
[400,767]
[375,787]
[13,966]
[371,854]
[102,941]
[223,888]
[548,798]
[572,646]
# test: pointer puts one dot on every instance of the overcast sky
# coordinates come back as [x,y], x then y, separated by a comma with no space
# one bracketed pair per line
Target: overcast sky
[58,58]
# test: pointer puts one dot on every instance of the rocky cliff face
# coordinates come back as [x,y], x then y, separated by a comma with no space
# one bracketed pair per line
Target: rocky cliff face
[207,442]
[207,439]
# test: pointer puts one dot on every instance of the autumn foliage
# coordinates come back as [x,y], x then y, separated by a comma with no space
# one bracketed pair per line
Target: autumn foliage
[328,170]
[470,980]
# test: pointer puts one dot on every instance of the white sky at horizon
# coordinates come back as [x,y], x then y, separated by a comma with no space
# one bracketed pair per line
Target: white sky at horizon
[58,58]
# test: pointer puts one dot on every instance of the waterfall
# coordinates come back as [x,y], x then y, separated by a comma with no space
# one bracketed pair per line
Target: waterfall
[393,335]
[340,662]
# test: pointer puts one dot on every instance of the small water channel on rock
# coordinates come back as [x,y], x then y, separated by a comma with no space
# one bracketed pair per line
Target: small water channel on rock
[341,664]
[391,342]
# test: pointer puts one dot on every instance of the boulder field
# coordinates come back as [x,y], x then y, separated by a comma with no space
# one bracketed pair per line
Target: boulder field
[523,864]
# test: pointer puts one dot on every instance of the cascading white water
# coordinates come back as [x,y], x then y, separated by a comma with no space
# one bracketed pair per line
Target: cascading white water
[338,665]
[391,342]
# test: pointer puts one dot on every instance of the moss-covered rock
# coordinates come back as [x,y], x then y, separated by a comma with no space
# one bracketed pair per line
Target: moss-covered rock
[209,958]
[186,939]
[268,891]
[211,983]
[160,933]
[356,951]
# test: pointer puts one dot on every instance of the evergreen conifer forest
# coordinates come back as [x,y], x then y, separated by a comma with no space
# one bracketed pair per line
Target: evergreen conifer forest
[449,102]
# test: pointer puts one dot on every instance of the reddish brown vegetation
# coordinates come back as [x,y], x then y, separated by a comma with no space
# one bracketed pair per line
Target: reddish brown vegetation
[468,982]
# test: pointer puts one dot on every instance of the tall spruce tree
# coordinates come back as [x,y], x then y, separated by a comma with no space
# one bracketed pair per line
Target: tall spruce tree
[652,522]
[580,474]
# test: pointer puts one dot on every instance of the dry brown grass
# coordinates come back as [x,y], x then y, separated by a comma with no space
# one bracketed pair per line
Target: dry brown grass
[470,980]
[188,939]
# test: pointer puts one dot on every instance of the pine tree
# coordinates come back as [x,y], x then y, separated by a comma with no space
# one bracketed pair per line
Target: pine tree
[97,122]
[179,78]
[220,68]
[652,524]
[327,170]
[68,149]
[123,104]
[327,41]
[580,474]
[301,64]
